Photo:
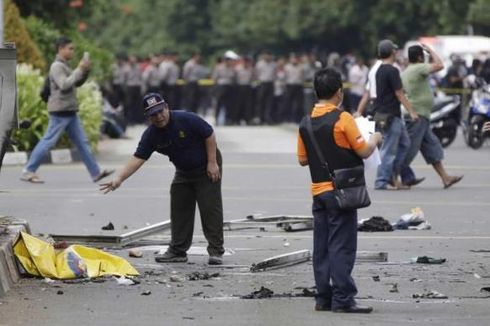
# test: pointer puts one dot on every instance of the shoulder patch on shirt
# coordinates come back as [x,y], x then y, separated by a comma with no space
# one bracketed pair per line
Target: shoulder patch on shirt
[181,134]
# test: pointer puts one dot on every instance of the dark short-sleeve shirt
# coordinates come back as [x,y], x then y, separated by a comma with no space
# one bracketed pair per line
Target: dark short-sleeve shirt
[182,140]
[387,82]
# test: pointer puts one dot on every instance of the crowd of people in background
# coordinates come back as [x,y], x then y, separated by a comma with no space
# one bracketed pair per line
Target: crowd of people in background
[243,90]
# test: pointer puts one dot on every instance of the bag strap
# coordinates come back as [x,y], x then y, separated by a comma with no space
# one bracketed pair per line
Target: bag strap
[309,128]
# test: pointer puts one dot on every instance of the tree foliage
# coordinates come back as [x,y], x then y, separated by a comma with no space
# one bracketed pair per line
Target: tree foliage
[147,26]
[16,31]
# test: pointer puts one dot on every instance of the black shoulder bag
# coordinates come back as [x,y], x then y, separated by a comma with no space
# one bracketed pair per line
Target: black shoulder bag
[349,184]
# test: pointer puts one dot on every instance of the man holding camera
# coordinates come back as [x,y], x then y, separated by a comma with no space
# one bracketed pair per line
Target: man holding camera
[63,108]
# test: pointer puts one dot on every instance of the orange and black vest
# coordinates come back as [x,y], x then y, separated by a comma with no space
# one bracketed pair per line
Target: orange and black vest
[336,156]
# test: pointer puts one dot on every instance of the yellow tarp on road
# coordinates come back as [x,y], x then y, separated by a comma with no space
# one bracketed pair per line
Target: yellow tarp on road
[39,258]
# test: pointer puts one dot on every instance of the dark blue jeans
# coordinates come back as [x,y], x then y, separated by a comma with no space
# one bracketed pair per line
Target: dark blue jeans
[334,252]
[396,143]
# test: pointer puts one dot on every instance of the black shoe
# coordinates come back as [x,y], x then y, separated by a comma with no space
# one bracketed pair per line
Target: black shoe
[323,307]
[354,310]
[170,257]
[414,182]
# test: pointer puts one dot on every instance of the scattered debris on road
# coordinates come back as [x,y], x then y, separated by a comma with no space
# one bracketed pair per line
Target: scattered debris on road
[176,278]
[283,260]
[265,293]
[428,260]
[59,292]
[394,288]
[376,278]
[199,276]
[374,224]
[289,223]
[135,253]
[259,294]
[115,241]
[429,295]
[147,292]
[108,227]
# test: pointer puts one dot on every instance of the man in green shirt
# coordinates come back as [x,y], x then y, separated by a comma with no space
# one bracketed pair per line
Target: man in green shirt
[415,81]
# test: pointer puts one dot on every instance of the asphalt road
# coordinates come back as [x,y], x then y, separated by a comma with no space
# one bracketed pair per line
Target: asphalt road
[261,175]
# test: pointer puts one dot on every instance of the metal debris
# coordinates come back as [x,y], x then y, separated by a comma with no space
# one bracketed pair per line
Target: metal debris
[371,256]
[114,241]
[283,260]
[288,223]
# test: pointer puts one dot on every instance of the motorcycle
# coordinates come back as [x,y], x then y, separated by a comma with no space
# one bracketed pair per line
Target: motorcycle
[478,114]
[445,118]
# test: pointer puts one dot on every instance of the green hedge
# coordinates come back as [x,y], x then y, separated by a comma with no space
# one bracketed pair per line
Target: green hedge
[31,107]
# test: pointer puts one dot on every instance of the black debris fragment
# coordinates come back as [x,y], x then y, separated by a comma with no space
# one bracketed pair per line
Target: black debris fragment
[429,295]
[375,224]
[108,227]
[307,293]
[376,278]
[265,293]
[259,294]
[60,292]
[147,292]
[429,260]
[197,294]
[485,289]
[198,276]
[394,288]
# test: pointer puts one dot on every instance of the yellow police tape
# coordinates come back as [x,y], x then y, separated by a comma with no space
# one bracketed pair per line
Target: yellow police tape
[39,258]
[210,82]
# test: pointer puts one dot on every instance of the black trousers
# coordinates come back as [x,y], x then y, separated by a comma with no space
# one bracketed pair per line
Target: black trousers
[192,96]
[187,190]
[265,101]
[169,93]
[334,252]
[223,95]
[244,104]
[133,109]
[295,102]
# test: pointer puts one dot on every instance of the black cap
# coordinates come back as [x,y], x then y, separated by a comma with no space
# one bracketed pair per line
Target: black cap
[385,48]
[153,103]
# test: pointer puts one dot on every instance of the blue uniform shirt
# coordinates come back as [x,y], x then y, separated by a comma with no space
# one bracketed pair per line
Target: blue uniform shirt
[182,140]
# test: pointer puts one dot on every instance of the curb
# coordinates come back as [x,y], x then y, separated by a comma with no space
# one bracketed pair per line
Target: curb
[57,156]
[9,229]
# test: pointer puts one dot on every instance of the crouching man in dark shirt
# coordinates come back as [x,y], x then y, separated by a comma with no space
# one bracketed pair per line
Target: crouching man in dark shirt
[190,144]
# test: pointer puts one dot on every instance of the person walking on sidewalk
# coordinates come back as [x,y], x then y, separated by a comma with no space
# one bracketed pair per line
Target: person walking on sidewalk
[416,85]
[190,144]
[335,231]
[62,109]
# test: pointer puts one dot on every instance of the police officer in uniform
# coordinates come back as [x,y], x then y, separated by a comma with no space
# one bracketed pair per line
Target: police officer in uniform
[190,144]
